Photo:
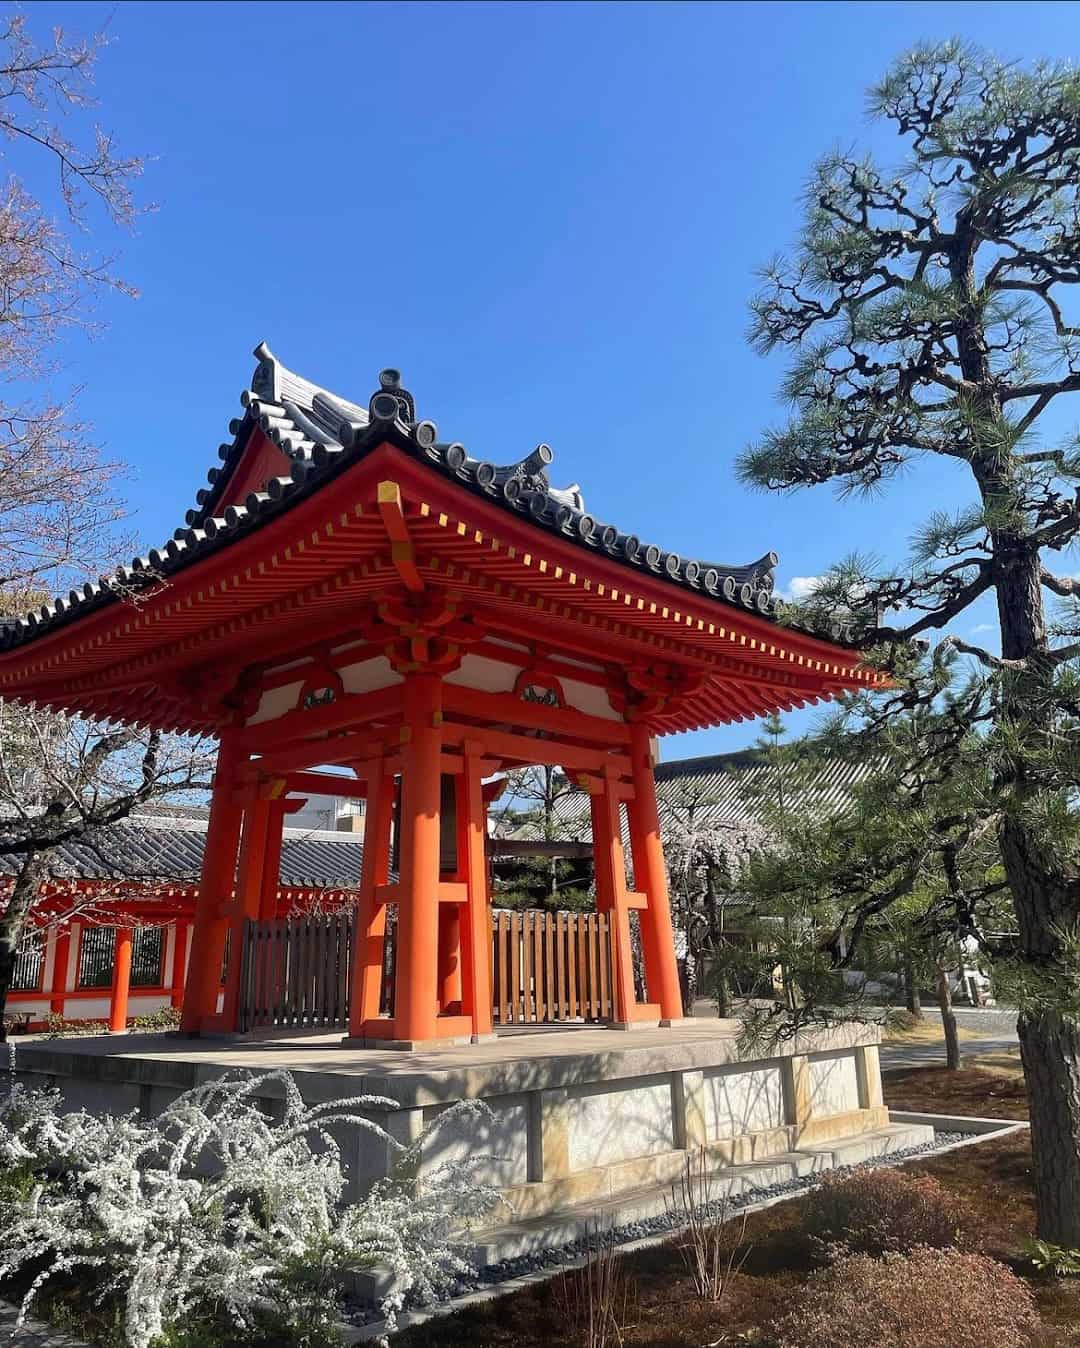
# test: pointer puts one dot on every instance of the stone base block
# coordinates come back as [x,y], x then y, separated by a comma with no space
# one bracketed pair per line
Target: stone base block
[577,1116]
[879,1142]
[530,1235]
[411,1045]
[817,1131]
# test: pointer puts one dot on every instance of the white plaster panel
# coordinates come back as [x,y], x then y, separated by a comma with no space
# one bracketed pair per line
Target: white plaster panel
[834,1085]
[168,963]
[86,1008]
[275,702]
[490,676]
[588,698]
[607,1126]
[73,957]
[50,957]
[498,1145]
[142,1004]
[369,675]
[743,1101]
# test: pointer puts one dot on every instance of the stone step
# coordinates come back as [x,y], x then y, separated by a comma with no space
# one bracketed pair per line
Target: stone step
[512,1239]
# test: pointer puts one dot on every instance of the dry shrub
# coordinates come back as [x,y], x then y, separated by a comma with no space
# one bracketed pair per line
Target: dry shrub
[926,1299]
[885,1211]
[712,1252]
[594,1301]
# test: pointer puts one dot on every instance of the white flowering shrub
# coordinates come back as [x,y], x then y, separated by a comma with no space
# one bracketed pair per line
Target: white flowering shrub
[214,1209]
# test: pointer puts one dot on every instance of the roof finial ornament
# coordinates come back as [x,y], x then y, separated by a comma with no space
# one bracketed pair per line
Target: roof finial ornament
[392,402]
[264,382]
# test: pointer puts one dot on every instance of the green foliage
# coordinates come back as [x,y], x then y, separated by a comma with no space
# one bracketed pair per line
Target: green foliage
[57,1027]
[1055,1260]
[163,1019]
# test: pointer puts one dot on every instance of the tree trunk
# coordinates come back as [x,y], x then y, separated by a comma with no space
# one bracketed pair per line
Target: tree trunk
[1049,1039]
[688,980]
[13,923]
[1044,899]
[722,990]
[948,1020]
[911,990]
[1050,1049]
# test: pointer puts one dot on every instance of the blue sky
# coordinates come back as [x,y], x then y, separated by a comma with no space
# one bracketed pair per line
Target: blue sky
[547,215]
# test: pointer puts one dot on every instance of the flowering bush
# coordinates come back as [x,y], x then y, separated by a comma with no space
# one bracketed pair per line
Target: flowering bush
[926,1299]
[883,1211]
[214,1209]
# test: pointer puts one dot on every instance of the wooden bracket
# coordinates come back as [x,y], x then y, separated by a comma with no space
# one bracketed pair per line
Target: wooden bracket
[402,552]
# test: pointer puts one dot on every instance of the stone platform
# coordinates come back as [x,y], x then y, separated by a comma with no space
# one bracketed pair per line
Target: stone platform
[579,1115]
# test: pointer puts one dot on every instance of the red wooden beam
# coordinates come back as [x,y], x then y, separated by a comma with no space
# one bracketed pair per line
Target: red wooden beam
[505,744]
[347,713]
[505,708]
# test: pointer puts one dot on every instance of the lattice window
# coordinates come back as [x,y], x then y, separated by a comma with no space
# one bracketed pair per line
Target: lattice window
[97,951]
[29,964]
[147,956]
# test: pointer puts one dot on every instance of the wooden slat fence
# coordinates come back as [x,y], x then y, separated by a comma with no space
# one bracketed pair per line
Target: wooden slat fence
[296,972]
[546,967]
[551,967]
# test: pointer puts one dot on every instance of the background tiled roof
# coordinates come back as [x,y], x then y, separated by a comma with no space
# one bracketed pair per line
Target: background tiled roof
[724,790]
[169,848]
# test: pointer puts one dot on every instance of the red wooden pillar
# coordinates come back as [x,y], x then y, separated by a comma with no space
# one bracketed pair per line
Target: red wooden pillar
[472,860]
[610,869]
[271,867]
[451,993]
[181,946]
[415,992]
[121,980]
[449,972]
[370,932]
[249,890]
[650,878]
[215,890]
[61,958]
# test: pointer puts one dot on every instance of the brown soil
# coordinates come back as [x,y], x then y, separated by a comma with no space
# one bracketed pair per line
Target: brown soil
[935,1090]
[663,1311]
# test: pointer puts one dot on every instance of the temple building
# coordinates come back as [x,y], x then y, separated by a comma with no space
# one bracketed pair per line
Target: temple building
[360,607]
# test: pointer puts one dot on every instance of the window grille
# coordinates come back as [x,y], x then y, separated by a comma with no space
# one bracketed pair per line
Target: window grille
[97,950]
[147,954]
[29,962]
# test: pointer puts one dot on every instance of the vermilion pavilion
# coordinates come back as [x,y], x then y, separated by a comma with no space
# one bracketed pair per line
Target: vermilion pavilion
[352,593]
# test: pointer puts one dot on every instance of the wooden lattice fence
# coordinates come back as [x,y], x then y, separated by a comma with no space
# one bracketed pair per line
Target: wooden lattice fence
[546,967]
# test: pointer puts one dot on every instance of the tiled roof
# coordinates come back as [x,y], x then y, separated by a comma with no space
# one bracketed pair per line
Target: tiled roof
[724,790]
[169,849]
[322,434]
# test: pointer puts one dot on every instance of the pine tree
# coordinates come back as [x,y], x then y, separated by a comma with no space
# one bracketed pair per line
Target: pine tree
[927,312]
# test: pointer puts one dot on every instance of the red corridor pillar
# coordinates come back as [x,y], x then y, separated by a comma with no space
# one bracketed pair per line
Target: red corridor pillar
[367,963]
[121,981]
[215,891]
[610,869]
[650,878]
[61,956]
[249,889]
[472,861]
[271,867]
[415,993]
